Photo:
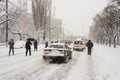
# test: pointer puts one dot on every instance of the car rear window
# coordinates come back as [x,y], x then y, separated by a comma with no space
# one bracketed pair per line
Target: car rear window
[55,46]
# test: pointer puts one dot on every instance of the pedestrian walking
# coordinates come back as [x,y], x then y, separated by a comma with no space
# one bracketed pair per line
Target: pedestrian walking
[46,44]
[35,45]
[28,47]
[89,46]
[11,46]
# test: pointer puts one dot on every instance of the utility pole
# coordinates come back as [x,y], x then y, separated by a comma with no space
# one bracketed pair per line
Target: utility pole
[6,22]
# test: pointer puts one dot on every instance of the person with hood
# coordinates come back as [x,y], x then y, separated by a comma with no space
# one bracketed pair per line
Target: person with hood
[28,47]
[89,46]
[11,46]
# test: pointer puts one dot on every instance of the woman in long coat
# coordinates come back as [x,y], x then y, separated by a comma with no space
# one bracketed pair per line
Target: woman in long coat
[35,45]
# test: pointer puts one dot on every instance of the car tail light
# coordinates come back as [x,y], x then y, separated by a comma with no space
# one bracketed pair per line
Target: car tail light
[45,52]
[62,53]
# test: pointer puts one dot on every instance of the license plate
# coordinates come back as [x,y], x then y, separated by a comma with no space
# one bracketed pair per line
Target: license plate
[54,53]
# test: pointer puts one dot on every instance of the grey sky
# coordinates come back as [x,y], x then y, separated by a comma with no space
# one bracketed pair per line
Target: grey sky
[77,15]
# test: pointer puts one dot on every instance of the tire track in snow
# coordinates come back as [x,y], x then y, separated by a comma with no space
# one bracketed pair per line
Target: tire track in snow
[11,74]
[40,71]
[50,71]
[17,64]
[62,72]
[21,64]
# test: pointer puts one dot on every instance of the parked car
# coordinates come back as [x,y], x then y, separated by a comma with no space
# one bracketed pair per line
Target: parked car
[79,45]
[57,52]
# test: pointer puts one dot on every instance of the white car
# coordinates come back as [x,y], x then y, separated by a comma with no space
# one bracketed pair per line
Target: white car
[57,52]
[19,44]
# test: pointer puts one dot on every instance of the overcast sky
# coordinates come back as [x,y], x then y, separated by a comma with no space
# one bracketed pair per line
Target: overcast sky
[77,15]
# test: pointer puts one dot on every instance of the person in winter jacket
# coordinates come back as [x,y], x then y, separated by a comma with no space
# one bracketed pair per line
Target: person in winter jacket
[89,46]
[11,46]
[35,45]
[28,47]
[46,44]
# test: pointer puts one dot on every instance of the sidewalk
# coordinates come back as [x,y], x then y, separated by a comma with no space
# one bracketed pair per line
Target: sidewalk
[4,50]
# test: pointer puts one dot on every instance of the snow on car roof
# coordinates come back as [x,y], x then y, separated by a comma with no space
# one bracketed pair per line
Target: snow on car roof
[78,39]
[57,44]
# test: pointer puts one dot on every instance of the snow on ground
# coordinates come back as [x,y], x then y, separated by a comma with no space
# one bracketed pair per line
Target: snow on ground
[103,64]
[19,44]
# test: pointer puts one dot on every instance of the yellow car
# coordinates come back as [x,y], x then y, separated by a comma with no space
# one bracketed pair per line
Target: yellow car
[78,45]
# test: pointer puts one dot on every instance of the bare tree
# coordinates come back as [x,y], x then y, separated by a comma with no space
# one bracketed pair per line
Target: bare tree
[41,15]
[106,26]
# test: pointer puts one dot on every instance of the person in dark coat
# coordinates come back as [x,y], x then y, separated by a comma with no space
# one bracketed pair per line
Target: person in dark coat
[35,45]
[28,47]
[46,44]
[89,46]
[11,46]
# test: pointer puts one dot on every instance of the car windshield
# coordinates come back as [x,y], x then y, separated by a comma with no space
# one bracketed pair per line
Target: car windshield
[55,46]
[78,42]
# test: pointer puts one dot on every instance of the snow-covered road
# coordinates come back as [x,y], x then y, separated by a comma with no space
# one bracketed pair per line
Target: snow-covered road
[103,64]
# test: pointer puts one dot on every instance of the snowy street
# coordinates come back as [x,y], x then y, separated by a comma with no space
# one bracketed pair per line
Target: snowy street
[59,39]
[103,64]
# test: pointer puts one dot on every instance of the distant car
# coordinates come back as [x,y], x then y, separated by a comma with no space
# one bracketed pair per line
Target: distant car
[19,44]
[57,52]
[79,45]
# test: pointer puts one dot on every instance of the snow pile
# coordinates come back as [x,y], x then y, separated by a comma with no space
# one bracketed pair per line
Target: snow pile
[19,44]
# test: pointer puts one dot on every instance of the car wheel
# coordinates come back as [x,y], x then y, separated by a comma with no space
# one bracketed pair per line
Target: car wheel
[66,60]
[50,60]
[44,57]
[70,57]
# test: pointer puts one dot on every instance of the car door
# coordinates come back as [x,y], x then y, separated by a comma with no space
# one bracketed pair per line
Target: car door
[68,50]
